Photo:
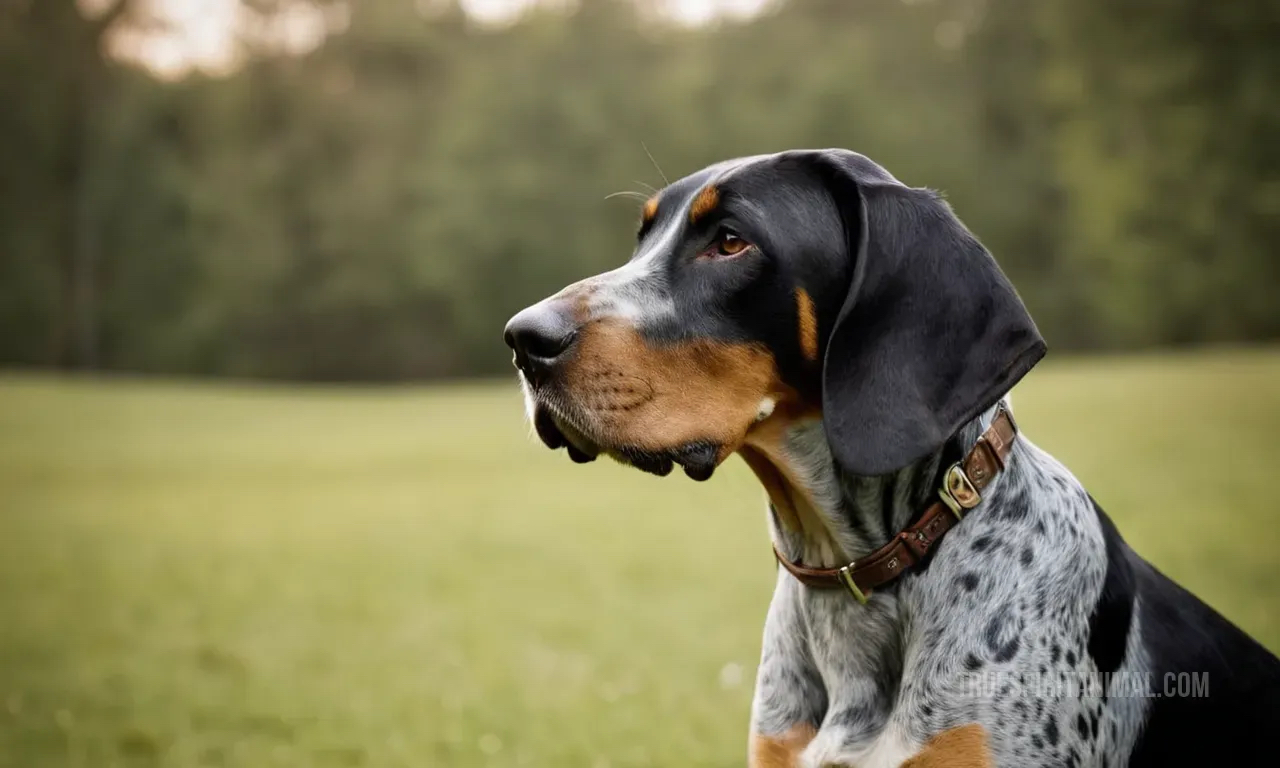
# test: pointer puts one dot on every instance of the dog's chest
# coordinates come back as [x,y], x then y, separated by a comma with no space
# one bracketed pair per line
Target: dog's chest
[993,631]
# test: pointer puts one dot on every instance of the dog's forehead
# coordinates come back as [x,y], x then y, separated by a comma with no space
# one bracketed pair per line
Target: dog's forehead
[678,196]
[675,198]
[775,190]
[775,200]
[779,167]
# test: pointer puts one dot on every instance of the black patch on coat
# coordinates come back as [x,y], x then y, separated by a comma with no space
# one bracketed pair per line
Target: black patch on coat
[1113,613]
[1002,648]
[1051,731]
[1017,507]
[1183,636]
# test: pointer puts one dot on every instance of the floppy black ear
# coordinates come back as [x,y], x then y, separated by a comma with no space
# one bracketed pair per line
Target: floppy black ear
[931,332]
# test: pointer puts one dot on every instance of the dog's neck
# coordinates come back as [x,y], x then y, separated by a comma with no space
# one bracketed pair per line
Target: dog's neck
[822,516]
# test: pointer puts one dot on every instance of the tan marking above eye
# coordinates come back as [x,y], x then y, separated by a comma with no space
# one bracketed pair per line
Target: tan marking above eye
[704,203]
[808,323]
[650,209]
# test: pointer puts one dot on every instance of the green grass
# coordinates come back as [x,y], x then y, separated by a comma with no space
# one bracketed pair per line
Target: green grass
[209,575]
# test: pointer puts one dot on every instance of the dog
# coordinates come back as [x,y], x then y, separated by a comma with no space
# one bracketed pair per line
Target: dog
[950,594]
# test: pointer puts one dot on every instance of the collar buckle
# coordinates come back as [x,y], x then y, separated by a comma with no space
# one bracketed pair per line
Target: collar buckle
[847,577]
[958,494]
[958,491]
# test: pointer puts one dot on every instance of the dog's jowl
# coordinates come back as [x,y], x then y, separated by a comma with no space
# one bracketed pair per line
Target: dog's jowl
[855,344]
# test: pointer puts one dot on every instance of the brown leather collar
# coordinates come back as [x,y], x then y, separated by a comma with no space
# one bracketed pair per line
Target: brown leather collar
[962,490]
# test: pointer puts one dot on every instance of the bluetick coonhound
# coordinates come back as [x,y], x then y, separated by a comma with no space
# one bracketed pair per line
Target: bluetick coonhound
[854,343]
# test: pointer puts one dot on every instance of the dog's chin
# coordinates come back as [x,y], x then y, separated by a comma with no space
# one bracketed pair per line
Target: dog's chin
[698,459]
[557,432]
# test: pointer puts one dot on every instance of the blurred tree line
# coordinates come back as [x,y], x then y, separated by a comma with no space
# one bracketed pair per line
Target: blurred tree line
[377,207]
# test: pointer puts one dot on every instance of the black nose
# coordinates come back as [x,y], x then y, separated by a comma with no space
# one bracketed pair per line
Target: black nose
[539,334]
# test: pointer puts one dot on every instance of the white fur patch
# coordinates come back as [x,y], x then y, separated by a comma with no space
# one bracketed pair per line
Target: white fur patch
[889,750]
[765,410]
[626,292]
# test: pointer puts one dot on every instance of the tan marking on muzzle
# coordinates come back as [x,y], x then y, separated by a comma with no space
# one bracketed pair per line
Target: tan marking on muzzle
[704,203]
[782,751]
[660,397]
[808,323]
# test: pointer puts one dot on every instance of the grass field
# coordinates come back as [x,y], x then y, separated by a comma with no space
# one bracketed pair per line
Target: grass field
[216,575]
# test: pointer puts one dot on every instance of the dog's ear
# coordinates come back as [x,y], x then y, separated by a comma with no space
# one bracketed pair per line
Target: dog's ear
[931,332]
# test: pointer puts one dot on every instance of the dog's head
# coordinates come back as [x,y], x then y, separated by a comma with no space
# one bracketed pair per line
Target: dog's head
[765,288]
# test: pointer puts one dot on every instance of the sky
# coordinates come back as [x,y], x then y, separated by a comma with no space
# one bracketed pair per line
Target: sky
[200,34]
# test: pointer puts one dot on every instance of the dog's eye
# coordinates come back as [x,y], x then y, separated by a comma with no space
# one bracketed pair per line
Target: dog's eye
[727,244]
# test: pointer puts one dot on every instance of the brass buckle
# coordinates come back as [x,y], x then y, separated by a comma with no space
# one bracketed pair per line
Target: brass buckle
[958,492]
[847,578]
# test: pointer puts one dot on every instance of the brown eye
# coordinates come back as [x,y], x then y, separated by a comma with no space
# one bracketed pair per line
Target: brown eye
[728,244]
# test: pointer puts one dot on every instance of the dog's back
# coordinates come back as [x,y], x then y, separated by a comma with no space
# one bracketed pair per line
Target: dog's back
[1215,690]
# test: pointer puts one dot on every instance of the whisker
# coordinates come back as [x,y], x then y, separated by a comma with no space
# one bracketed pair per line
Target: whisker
[655,164]
[631,193]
